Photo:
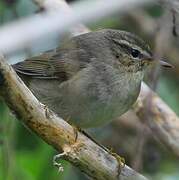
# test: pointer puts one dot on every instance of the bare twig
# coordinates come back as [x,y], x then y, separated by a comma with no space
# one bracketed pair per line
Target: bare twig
[137,162]
[53,24]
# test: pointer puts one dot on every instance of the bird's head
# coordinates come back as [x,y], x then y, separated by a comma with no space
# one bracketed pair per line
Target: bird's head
[131,51]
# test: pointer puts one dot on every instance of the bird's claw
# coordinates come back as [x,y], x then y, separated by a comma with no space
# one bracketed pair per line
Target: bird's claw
[119,159]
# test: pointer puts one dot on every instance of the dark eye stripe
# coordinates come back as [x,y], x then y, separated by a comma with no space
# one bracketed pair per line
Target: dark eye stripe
[131,51]
[128,48]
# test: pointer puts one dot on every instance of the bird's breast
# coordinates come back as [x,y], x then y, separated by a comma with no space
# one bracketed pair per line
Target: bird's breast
[103,95]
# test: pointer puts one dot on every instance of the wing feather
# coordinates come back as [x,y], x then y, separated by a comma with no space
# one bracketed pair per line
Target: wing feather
[61,64]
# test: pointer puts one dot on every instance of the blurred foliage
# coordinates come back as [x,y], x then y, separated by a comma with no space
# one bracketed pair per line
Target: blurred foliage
[25,156]
[13,9]
[154,11]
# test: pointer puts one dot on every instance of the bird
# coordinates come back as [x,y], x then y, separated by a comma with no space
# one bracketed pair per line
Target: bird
[90,79]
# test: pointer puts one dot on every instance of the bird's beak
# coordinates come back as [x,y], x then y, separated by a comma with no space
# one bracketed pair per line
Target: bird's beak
[165,64]
[161,62]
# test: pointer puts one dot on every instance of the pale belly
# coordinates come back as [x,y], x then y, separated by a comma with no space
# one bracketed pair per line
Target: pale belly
[98,102]
[91,112]
[87,103]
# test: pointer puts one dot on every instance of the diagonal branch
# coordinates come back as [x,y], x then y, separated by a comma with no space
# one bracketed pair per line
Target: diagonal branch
[56,22]
[163,122]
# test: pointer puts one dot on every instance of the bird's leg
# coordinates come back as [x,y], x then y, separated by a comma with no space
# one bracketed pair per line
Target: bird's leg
[120,159]
[60,155]
[75,130]
[56,157]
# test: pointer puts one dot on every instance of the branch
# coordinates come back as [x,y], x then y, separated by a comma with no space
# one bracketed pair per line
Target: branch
[163,122]
[52,5]
[83,152]
[60,5]
[41,27]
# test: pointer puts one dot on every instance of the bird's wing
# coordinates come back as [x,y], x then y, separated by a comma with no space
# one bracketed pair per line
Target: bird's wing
[59,64]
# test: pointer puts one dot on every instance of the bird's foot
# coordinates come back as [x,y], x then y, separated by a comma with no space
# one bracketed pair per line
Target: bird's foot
[120,160]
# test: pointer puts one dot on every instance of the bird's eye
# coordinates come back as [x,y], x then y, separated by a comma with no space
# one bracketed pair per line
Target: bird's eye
[135,53]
